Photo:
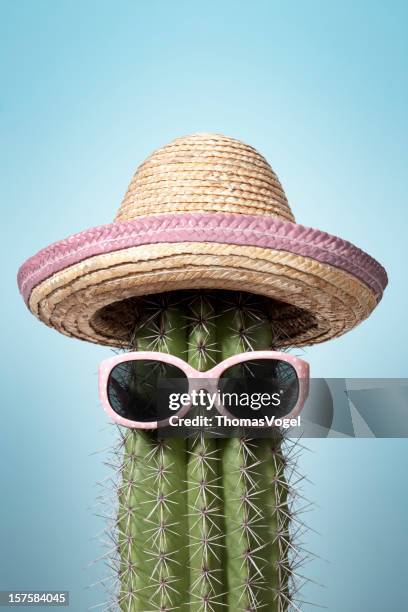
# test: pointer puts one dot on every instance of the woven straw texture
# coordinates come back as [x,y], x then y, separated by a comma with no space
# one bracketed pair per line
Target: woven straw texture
[205,211]
[205,173]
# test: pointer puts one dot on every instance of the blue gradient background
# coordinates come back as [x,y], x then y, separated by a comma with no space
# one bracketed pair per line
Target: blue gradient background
[91,88]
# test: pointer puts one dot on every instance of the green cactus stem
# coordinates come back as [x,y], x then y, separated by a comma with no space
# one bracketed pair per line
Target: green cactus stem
[203,524]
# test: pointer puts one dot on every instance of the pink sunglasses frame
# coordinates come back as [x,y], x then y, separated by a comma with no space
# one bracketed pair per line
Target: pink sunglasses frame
[301,367]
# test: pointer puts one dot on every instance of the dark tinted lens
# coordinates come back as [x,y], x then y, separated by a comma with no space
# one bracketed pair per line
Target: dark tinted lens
[259,388]
[141,390]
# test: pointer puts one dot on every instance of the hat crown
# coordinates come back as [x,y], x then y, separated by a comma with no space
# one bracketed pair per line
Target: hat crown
[205,173]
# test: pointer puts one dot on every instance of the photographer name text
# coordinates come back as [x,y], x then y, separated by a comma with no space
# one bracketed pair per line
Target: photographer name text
[221,420]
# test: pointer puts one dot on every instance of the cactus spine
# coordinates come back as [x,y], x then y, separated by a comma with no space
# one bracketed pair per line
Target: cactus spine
[203,524]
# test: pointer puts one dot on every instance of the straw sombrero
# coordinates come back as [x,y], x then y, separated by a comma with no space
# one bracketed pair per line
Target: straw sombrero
[205,211]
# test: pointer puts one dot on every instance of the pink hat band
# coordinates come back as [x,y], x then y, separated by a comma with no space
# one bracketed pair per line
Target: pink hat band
[224,228]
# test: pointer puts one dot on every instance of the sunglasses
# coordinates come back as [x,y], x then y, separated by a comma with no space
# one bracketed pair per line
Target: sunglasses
[147,389]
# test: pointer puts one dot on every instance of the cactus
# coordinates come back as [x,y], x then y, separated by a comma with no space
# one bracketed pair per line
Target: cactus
[203,524]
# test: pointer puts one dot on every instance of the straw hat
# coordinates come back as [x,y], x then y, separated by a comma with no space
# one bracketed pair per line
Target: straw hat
[205,211]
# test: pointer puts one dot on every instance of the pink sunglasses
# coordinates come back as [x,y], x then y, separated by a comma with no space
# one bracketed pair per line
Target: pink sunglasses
[129,385]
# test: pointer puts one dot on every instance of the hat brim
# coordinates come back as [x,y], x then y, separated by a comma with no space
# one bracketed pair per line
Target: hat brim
[325,285]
